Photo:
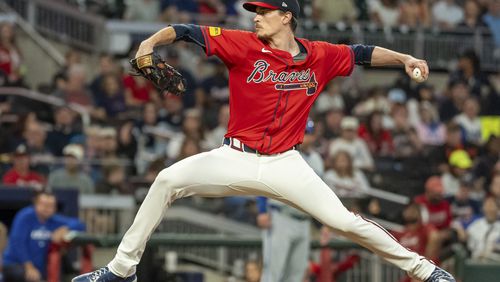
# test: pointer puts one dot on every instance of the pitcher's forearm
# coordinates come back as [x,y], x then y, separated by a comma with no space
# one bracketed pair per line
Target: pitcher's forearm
[164,36]
[384,57]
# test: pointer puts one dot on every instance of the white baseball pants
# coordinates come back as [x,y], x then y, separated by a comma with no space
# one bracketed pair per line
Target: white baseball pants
[285,177]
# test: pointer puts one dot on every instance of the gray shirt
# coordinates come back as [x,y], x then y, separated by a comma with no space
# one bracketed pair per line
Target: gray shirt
[62,179]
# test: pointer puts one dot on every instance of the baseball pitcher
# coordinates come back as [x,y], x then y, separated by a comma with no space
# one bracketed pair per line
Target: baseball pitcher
[274,79]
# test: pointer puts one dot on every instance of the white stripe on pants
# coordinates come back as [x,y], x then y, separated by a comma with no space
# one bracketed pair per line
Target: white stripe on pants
[285,177]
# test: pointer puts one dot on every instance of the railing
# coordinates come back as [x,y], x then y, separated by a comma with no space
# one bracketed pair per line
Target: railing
[105,215]
[439,47]
[52,52]
[47,99]
[370,268]
[57,19]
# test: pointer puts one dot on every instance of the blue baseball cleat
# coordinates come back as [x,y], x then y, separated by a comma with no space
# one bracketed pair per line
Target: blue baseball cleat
[103,275]
[440,275]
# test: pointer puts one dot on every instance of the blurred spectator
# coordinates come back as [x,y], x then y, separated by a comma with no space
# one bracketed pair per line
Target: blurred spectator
[109,143]
[469,121]
[180,11]
[106,67]
[189,147]
[485,163]
[343,178]
[32,231]
[72,57]
[494,188]
[424,93]
[192,127]
[142,10]
[435,209]
[172,112]
[437,212]
[405,138]
[35,136]
[492,19]
[64,129]
[71,176]
[484,234]
[138,91]
[417,236]
[349,142]
[334,11]
[114,180]
[245,18]
[214,91]
[215,136]
[152,137]
[439,155]
[477,82]
[377,101]
[415,13]
[472,15]
[308,152]
[451,105]
[212,12]
[20,174]
[374,209]
[378,139]
[16,131]
[332,123]
[127,142]
[429,129]
[10,55]
[330,99]
[447,14]
[460,164]
[253,270]
[113,99]
[385,13]
[464,209]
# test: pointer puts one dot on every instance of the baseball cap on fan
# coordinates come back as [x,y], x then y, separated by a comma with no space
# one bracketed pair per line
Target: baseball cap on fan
[291,6]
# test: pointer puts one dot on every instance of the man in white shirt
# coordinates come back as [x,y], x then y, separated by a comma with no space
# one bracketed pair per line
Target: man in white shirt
[484,234]
[447,14]
[356,147]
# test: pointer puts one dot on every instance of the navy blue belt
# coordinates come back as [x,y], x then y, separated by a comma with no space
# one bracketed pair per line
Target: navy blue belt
[236,144]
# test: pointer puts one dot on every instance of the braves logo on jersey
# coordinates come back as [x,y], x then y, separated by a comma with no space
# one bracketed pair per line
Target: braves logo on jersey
[294,80]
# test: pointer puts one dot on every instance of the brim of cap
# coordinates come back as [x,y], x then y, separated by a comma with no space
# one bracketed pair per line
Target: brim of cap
[252,6]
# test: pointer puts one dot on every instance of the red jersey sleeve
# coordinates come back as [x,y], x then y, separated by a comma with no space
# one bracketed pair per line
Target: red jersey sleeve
[339,59]
[228,45]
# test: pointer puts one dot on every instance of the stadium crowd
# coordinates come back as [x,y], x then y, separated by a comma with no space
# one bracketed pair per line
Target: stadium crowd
[443,146]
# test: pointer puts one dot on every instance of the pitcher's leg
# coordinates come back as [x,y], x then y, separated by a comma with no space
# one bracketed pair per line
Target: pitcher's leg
[296,182]
[203,174]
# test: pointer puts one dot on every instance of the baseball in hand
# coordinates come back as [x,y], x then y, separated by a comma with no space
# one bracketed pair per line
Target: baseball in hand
[417,75]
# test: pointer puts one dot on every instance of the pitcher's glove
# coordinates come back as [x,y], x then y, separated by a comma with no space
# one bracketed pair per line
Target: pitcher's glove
[163,76]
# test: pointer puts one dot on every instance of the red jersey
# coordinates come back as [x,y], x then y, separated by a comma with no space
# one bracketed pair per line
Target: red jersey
[439,214]
[415,240]
[32,179]
[271,94]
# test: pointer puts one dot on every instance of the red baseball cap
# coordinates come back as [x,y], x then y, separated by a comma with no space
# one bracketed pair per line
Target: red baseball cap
[291,6]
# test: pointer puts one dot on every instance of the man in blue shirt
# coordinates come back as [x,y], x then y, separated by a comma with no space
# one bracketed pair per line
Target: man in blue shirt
[33,229]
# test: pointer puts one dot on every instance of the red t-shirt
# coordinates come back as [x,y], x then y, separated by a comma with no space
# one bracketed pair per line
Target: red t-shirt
[140,91]
[32,179]
[439,214]
[270,94]
[415,240]
[381,144]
